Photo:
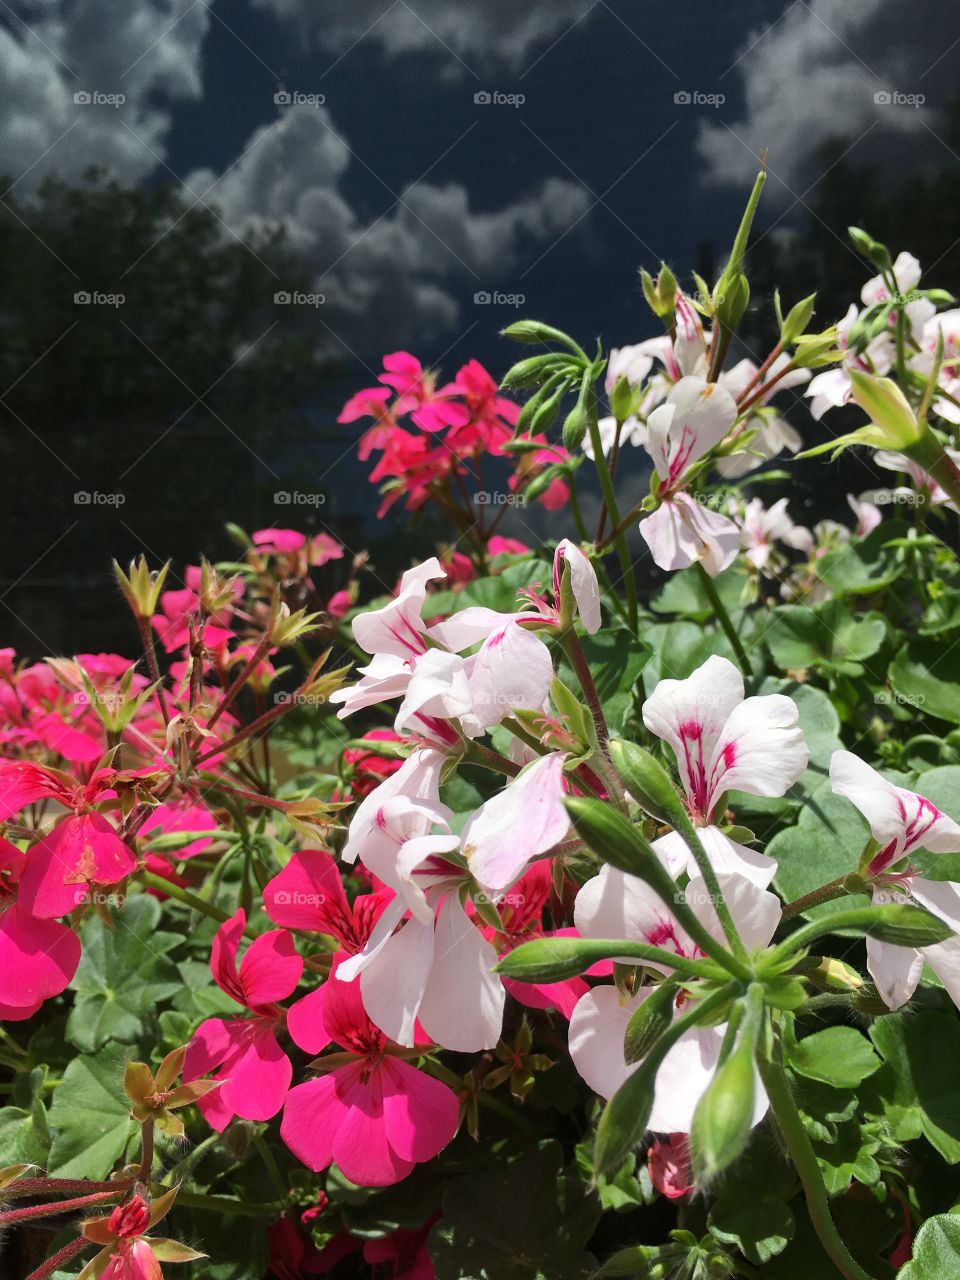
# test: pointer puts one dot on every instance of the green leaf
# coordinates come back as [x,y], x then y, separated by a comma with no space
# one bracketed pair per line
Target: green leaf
[848,1157]
[482,1236]
[924,675]
[683,594]
[90,1117]
[838,1056]
[825,843]
[828,636]
[916,1090]
[123,975]
[759,1227]
[864,565]
[936,1250]
[616,659]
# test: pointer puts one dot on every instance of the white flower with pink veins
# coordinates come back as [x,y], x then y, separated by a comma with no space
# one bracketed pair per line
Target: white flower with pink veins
[903,822]
[724,742]
[615,905]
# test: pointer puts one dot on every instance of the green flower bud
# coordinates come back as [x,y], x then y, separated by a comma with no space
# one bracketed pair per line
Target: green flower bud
[724,1115]
[531,372]
[905,925]
[623,399]
[875,252]
[647,781]
[649,1021]
[797,319]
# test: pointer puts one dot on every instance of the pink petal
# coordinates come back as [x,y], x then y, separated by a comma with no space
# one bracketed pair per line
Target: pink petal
[37,957]
[420,1114]
[270,968]
[360,1147]
[312,1114]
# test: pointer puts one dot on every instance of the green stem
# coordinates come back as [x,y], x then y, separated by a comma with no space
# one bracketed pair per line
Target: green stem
[610,499]
[476,753]
[720,612]
[266,1155]
[189,1160]
[691,839]
[188,899]
[826,893]
[856,918]
[930,454]
[804,1158]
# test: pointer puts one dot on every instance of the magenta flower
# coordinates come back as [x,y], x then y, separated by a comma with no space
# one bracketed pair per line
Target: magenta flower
[81,851]
[243,1052]
[37,957]
[374,1115]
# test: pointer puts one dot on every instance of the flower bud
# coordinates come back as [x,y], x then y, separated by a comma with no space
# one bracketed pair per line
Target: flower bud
[662,296]
[647,781]
[649,1021]
[905,925]
[623,399]
[797,319]
[530,372]
[876,253]
[888,409]
[575,427]
[724,1115]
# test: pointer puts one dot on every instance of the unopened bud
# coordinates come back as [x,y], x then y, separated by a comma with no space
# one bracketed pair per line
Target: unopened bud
[724,1115]
[649,1021]
[797,319]
[875,252]
[647,781]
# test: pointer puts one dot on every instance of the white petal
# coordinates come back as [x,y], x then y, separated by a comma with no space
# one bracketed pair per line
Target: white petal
[512,671]
[418,778]
[876,798]
[761,749]
[470,626]
[616,905]
[518,824]
[696,417]
[595,1039]
[726,856]
[462,1006]
[438,687]
[690,715]
[754,910]
[583,583]
[397,627]
[944,960]
[392,984]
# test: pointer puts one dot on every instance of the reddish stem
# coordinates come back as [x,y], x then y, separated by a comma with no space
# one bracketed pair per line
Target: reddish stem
[63,1255]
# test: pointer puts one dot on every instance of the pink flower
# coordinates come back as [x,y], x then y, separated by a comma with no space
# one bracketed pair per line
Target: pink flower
[243,1052]
[376,1117]
[668,1163]
[499,546]
[308,895]
[340,603]
[277,542]
[38,958]
[127,1253]
[81,851]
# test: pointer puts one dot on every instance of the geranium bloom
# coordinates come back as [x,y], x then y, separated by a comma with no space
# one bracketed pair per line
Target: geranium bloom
[668,1163]
[695,418]
[38,958]
[615,905]
[80,852]
[724,742]
[773,433]
[512,669]
[308,895]
[127,1253]
[375,1116]
[902,823]
[436,968]
[243,1052]
[762,526]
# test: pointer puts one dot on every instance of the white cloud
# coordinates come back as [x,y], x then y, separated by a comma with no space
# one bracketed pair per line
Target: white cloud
[148,51]
[814,76]
[398,273]
[482,34]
